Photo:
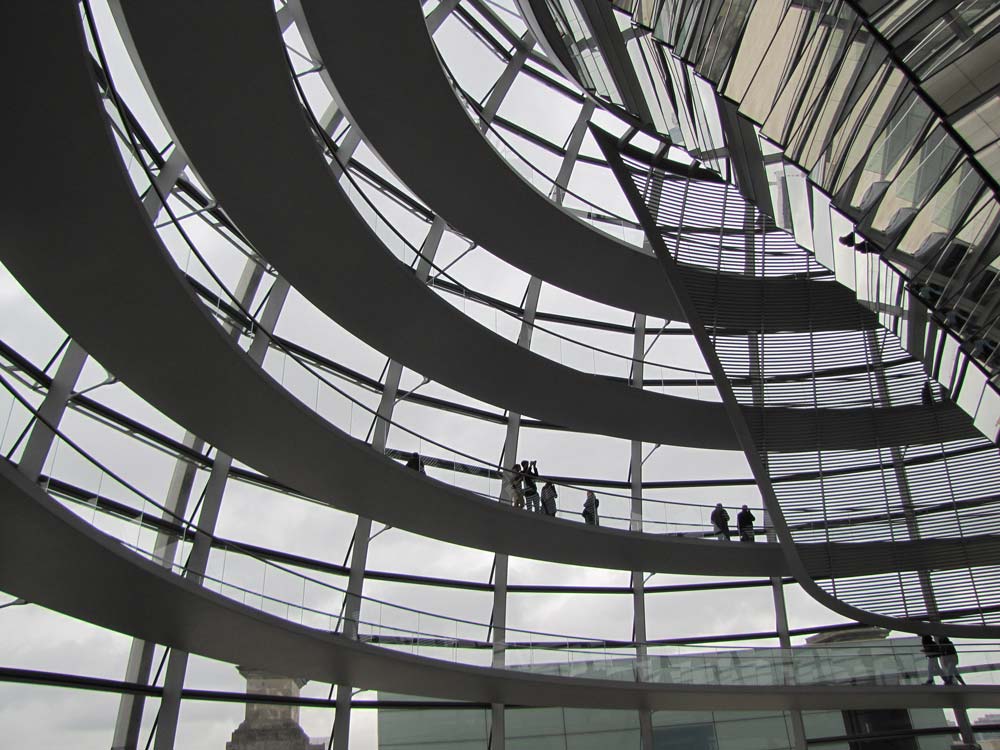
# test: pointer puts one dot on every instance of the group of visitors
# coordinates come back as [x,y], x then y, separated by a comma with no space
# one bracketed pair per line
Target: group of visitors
[942,660]
[522,487]
[744,523]
[522,481]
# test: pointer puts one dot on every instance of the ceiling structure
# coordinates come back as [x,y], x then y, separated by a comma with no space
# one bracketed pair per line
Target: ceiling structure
[309,255]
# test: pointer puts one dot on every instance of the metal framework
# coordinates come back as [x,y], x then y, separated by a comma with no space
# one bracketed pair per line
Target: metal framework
[877,487]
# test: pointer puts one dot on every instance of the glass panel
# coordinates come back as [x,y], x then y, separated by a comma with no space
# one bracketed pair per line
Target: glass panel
[856,135]
[942,214]
[988,414]
[918,180]
[982,222]
[722,39]
[647,59]
[956,34]
[705,20]
[888,152]
[894,15]
[687,28]
[646,11]
[829,92]
[971,392]
[808,91]
[757,36]
[773,70]
[981,127]
[591,67]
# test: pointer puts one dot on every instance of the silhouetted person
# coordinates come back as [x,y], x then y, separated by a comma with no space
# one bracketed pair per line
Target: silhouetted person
[848,240]
[507,484]
[516,483]
[927,395]
[858,243]
[932,651]
[416,463]
[744,524]
[530,473]
[720,522]
[590,506]
[549,496]
[949,660]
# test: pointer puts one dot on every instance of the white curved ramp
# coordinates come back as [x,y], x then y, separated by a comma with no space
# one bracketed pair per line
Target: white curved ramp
[55,559]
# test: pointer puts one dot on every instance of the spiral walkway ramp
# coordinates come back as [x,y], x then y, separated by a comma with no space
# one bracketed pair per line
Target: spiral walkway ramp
[140,598]
[291,288]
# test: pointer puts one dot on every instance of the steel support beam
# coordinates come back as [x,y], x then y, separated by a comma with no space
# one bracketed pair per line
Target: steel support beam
[363,527]
[498,728]
[910,521]
[573,145]
[498,723]
[164,182]
[881,396]
[51,411]
[330,120]
[140,659]
[436,17]
[757,395]
[61,390]
[635,524]
[509,456]
[211,505]
[502,86]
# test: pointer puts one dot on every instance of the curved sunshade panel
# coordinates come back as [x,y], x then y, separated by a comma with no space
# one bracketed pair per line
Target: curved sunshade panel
[934,488]
[313,235]
[382,62]
[53,558]
[837,104]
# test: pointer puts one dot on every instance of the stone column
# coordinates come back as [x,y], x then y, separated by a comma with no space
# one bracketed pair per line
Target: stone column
[271,726]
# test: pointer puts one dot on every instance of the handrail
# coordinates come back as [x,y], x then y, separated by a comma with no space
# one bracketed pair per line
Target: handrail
[420,636]
[80,496]
[190,527]
[89,405]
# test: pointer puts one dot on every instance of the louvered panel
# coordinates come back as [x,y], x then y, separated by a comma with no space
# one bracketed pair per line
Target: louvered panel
[938,487]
